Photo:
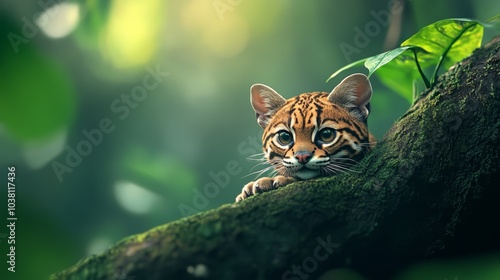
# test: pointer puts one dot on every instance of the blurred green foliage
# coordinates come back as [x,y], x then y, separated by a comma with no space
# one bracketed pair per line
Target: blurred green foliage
[37,97]
[64,65]
[473,267]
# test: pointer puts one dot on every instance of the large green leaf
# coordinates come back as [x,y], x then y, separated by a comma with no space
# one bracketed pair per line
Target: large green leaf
[375,62]
[402,72]
[350,65]
[442,43]
[400,80]
[448,41]
[395,68]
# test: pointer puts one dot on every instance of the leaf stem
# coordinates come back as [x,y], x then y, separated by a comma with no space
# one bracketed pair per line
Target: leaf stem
[426,81]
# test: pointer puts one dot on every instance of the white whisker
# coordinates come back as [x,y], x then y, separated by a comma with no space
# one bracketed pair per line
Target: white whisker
[257,157]
[367,143]
[345,168]
[353,162]
[259,172]
[258,164]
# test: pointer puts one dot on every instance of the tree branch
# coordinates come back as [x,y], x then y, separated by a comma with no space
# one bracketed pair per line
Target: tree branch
[424,191]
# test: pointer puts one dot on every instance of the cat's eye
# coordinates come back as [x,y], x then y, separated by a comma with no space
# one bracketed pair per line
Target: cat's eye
[284,137]
[326,135]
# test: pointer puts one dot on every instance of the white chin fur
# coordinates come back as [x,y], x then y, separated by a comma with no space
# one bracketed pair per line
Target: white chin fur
[306,174]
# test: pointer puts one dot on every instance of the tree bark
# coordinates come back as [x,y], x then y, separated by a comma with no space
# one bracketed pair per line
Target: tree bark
[425,191]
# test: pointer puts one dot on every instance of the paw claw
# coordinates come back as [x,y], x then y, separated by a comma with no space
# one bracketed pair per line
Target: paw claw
[263,185]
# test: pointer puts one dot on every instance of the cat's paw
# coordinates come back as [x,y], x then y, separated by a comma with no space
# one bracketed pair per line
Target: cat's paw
[263,185]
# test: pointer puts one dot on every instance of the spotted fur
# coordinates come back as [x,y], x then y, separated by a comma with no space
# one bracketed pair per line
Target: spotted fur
[313,134]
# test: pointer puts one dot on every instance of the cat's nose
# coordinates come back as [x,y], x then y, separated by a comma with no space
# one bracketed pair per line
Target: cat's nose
[303,156]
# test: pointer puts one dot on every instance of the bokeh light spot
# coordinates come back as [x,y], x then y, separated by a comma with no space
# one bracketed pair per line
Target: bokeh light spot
[135,198]
[59,20]
[131,35]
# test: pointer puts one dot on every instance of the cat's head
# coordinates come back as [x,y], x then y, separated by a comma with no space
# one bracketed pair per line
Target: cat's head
[314,134]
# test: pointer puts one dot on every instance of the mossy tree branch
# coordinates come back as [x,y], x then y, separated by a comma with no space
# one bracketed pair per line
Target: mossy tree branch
[425,191]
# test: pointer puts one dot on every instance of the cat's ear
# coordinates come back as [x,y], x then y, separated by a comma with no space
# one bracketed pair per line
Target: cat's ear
[265,102]
[354,92]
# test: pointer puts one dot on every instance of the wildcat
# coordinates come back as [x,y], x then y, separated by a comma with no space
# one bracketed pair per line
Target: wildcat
[313,134]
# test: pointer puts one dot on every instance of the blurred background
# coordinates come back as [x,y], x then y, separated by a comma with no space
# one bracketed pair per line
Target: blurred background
[117,114]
